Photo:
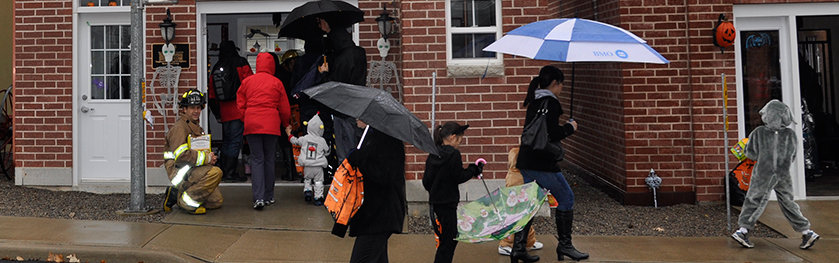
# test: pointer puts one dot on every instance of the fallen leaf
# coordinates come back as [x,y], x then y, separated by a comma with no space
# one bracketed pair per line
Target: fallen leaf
[73,259]
[103,261]
[18,258]
[72,214]
[659,229]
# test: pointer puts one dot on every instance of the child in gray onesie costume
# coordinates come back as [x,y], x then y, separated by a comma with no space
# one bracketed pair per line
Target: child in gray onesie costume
[313,152]
[773,148]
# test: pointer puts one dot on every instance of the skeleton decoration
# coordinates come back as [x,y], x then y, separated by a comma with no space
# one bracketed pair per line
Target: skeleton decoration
[168,77]
[384,46]
[653,181]
[168,52]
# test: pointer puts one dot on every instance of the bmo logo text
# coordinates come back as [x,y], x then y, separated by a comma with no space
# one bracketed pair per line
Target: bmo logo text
[619,53]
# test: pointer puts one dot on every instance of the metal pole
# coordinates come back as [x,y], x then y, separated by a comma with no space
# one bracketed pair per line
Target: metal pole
[138,144]
[725,151]
[433,101]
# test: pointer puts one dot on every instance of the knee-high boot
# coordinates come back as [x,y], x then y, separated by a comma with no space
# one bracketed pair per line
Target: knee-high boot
[519,251]
[564,221]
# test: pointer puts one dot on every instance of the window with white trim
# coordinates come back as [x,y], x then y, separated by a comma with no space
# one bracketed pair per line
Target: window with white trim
[472,25]
[93,3]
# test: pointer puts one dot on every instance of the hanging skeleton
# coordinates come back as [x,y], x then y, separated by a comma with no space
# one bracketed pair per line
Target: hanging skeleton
[168,77]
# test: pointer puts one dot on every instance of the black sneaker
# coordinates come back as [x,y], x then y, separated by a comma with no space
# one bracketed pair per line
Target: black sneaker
[270,202]
[258,205]
[307,196]
[808,240]
[743,239]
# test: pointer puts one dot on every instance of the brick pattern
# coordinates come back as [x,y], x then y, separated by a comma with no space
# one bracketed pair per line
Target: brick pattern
[43,83]
[491,106]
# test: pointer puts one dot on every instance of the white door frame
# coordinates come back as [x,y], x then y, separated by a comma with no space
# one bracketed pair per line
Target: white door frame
[781,17]
[78,12]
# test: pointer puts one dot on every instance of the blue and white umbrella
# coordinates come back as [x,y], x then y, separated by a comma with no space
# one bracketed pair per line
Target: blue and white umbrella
[576,40]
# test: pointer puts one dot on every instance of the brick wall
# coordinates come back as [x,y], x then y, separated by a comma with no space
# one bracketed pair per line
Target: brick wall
[43,83]
[491,106]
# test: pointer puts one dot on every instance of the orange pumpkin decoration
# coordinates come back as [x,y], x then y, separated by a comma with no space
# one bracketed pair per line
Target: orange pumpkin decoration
[112,3]
[724,33]
[90,4]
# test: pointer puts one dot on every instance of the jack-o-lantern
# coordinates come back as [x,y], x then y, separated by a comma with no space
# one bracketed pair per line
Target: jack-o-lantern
[724,33]
[112,3]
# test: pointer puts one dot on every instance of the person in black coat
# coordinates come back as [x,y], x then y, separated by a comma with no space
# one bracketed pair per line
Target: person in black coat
[442,175]
[381,160]
[540,166]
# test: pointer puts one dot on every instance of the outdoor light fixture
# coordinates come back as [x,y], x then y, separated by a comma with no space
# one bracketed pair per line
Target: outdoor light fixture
[167,30]
[385,23]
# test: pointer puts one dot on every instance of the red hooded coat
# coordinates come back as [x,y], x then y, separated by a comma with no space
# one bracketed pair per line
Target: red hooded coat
[262,100]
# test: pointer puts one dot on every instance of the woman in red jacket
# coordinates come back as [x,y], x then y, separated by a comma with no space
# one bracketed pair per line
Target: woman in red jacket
[266,113]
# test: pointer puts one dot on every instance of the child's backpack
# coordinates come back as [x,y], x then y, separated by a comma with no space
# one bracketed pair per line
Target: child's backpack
[226,80]
[346,194]
[739,180]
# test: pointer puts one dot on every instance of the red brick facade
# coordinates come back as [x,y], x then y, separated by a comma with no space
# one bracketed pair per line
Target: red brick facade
[632,117]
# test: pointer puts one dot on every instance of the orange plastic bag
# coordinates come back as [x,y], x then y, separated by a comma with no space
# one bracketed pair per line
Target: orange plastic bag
[346,194]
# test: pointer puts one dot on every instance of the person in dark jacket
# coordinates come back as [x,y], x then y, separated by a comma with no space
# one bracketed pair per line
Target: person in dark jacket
[442,175]
[540,166]
[227,113]
[381,159]
[283,70]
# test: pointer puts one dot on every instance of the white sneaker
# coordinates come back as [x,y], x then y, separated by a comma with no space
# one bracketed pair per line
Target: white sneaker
[536,246]
[504,250]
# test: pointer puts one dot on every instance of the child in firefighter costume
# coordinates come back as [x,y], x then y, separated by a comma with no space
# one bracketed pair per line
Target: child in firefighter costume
[313,152]
[194,178]
[773,147]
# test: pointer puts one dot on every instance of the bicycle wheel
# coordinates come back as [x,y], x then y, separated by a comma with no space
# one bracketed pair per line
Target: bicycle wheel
[7,160]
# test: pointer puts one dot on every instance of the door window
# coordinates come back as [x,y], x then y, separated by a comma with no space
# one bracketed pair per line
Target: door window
[761,58]
[110,57]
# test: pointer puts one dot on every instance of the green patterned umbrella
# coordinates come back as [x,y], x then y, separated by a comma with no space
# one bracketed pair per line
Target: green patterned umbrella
[480,221]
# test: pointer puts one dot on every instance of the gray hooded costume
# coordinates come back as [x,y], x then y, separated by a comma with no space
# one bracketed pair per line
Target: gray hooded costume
[773,147]
[313,152]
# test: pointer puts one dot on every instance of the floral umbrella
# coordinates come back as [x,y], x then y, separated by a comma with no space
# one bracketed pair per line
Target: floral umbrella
[480,221]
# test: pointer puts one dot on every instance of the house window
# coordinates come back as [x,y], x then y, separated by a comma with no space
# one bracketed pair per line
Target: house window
[104,3]
[472,25]
[110,58]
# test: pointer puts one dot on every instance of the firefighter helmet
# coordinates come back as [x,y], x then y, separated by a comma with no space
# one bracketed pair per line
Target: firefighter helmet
[291,53]
[193,97]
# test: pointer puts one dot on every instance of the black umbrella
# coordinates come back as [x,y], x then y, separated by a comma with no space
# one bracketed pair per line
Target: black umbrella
[301,21]
[377,108]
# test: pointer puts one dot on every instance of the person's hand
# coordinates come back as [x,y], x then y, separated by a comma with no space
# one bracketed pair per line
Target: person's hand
[475,170]
[323,67]
[573,123]
[288,130]
[323,25]
[213,158]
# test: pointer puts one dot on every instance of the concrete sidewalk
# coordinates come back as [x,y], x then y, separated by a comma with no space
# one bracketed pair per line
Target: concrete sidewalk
[292,231]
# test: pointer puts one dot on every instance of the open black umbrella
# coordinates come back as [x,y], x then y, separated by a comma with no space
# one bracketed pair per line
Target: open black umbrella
[301,20]
[377,108]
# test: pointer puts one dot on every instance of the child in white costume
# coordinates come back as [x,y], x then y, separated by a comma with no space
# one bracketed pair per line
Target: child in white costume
[313,152]
[772,147]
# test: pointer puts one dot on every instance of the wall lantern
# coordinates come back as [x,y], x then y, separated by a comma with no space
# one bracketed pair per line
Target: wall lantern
[386,23]
[167,30]
[724,33]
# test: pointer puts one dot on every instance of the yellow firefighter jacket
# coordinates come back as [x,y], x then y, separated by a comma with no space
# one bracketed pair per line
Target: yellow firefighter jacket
[179,159]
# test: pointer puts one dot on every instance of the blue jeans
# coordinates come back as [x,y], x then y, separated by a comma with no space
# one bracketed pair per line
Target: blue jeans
[554,182]
[232,132]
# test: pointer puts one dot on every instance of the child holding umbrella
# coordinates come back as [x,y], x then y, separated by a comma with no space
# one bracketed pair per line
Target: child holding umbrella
[442,175]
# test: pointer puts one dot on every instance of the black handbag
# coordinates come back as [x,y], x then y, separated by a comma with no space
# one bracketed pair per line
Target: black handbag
[535,134]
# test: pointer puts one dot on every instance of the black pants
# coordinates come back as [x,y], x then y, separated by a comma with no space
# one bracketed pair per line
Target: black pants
[370,249]
[447,215]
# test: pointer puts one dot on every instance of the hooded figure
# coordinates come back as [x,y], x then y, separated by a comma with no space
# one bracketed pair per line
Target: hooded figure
[227,112]
[313,152]
[772,147]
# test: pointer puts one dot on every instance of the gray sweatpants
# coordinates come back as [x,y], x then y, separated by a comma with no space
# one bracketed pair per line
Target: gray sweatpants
[758,196]
[313,175]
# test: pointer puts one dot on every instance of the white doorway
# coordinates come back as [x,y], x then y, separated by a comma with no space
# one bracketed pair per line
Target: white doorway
[102,98]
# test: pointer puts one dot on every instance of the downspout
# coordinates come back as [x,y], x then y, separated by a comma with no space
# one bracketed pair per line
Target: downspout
[690,98]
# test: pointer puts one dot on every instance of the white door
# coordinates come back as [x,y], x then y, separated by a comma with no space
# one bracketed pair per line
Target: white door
[102,99]
[764,72]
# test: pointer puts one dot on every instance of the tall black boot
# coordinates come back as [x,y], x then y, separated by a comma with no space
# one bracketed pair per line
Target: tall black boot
[519,251]
[564,221]
[171,198]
